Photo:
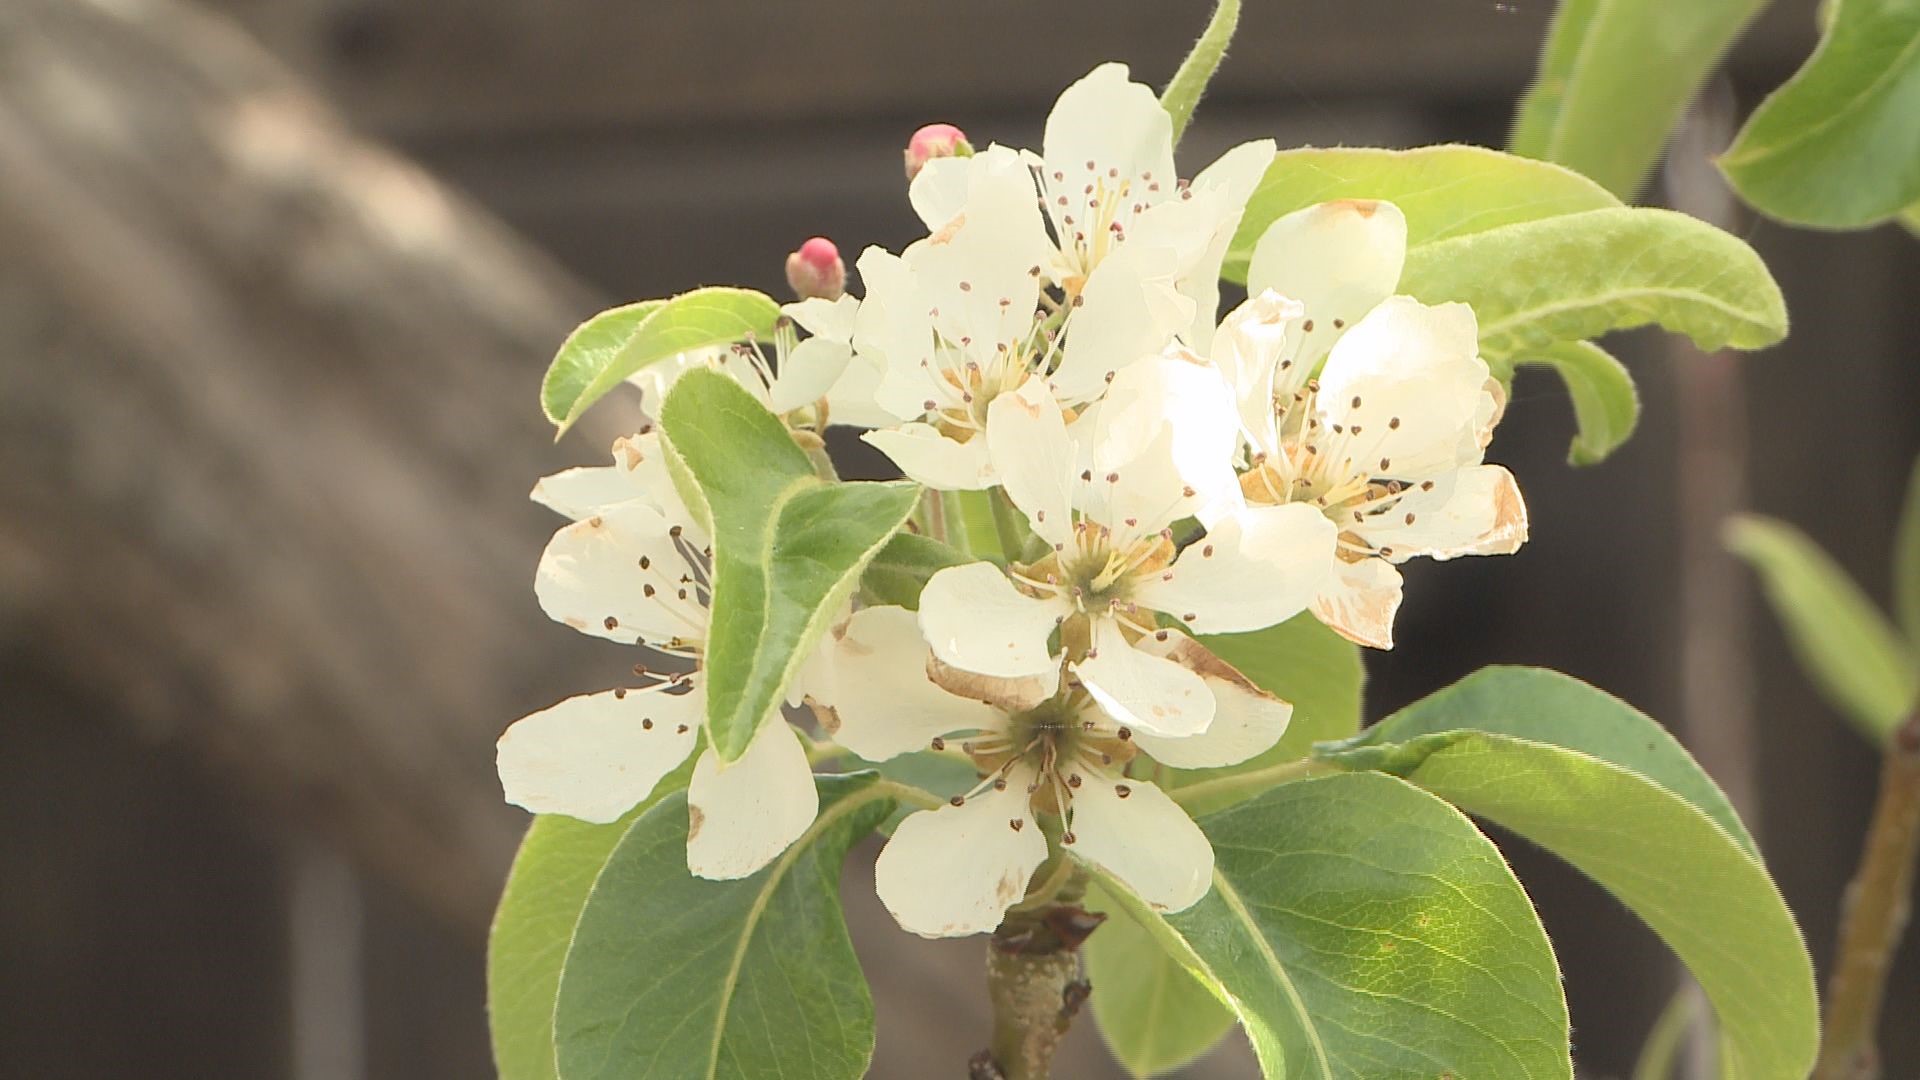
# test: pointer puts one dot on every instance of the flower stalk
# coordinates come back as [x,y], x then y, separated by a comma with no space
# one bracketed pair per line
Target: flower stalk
[1196,71]
[1034,985]
[1875,916]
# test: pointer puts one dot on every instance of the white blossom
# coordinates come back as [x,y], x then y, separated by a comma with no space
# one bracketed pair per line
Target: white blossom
[1388,441]
[1039,750]
[633,568]
[1102,495]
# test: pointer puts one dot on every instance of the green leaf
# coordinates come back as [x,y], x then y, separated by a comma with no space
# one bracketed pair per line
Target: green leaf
[788,547]
[1299,661]
[1906,564]
[558,861]
[1547,707]
[1606,406]
[1444,191]
[1668,856]
[673,976]
[1577,276]
[1853,654]
[1615,78]
[901,570]
[1154,1016]
[1196,71]
[608,348]
[1838,146]
[1360,927]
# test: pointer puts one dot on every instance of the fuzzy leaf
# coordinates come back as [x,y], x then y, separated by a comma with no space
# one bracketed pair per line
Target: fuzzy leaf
[1444,191]
[1606,406]
[608,348]
[900,571]
[1538,283]
[788,547]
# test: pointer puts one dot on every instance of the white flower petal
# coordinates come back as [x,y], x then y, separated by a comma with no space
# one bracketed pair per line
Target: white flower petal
[1144,839]
[812,368]
[639,471]
[823,318]
[1222,189]
[1408,387]
[744,814]
[1247,720]
[938,191]
[956,870]
[1168,423]
[1253,569]
[1338,259]
[1105,130]
[975,619]
[932,459]
[1032,457]
[594,757]
[880,699]
[1253,341]
[1358,602]
[1141,691]
[1476,511]
[1129,308]
[620,575]
[890,331]
[853,401]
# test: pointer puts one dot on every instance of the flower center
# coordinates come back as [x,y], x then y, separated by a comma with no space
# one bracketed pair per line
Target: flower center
[1053,749]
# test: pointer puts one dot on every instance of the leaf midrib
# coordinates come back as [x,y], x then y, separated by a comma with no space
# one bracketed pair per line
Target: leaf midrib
[787,858]
[1231,897]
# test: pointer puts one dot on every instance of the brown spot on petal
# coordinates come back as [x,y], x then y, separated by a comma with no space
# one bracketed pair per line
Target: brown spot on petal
[1365,208]
[695,819]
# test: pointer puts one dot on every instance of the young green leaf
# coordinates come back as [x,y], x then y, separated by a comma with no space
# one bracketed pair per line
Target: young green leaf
[1615,78]
[610,347]
[788,547]
[1606,406]
[552,874]
[1444,191]
[901,570]
[673,976]
[1196,71]
[1838,146]
[1906,563]
[1537,283]
[1853,654]
[1301,662]
[1612,805]
[1361,927]
[1154,1016]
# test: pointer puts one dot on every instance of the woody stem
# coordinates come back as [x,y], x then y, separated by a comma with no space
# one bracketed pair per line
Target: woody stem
[1875,915]
[1034,985]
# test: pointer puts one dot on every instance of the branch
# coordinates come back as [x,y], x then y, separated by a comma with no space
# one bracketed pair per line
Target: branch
[1875,916]
[1034,984]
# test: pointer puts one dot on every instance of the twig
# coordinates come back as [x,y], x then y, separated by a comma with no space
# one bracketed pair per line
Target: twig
[1188,83]
[1875,916]
[1034,983]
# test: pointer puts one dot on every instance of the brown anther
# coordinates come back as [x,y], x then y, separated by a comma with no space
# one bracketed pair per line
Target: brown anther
[646,724]
[1393,424]
[939,743]
[1125,734]
[1068,837]
[1307,326]
[1122,790]
[1161,635]
[958,800]
[620,694]
[645,563]
[1206,551]
[1074,781]
[610,622]
[681,730]
[1016,824]
[647,590]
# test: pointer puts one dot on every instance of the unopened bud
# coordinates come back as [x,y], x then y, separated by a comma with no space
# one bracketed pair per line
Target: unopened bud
[935,141]
[815,271]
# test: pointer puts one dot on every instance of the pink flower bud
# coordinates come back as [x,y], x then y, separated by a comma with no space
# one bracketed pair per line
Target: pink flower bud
[815,271]
[935,141]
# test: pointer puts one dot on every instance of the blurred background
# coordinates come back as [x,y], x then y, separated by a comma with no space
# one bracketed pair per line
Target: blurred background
[278,281]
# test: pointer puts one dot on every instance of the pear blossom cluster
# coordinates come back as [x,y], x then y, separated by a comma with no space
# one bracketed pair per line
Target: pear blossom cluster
[1054,341]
